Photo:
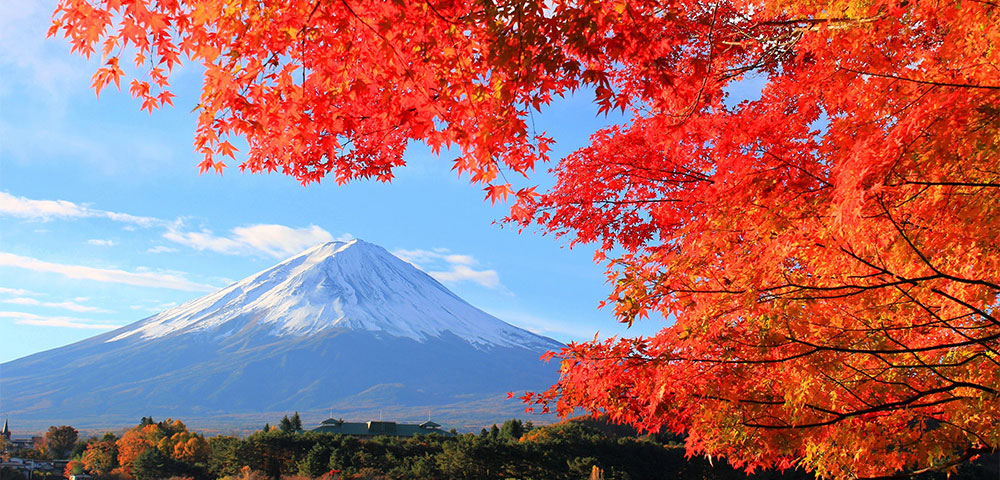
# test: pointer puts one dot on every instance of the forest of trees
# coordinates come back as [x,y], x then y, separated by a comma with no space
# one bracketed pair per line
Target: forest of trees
[578,449]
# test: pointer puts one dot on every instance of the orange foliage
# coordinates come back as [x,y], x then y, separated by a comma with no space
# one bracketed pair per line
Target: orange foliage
[130,446]
[336,88]
[188,447]
[171,437]
[100,457]
[827,252]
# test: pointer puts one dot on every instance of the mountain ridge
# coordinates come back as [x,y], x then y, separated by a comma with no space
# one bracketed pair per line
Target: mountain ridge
[315,330]
[297,299]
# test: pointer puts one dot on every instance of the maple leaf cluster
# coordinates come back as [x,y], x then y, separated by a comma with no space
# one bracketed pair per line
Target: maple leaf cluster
[827,253]
[319,88]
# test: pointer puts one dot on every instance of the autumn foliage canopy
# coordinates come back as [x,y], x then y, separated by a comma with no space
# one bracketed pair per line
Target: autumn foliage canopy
[170,437]
[828,250]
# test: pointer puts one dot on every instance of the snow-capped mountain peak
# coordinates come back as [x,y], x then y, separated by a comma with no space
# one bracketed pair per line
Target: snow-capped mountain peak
[352,285]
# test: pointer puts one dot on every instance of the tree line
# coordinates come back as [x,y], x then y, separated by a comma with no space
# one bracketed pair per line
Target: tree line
[577,449]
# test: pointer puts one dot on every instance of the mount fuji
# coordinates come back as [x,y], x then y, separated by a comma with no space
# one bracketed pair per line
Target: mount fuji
[343,326]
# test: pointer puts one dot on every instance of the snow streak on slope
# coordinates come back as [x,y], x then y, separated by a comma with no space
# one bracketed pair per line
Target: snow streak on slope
[348,285]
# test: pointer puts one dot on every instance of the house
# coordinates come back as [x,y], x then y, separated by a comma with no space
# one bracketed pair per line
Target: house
[29,467]
[373,428]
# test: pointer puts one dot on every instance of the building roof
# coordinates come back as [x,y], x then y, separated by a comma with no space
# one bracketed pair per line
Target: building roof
[6,431]
[372,428]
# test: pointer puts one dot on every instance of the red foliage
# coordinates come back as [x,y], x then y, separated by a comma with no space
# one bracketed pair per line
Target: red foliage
[828,252]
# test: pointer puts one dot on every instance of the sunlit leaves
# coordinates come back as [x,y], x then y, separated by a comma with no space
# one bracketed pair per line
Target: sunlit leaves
[170,437]
[827,253]
[827,250]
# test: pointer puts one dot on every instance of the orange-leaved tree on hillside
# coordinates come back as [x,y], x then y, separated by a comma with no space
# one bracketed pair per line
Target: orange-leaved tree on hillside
[133,442]
[100,458]
[828,251]
[170,437]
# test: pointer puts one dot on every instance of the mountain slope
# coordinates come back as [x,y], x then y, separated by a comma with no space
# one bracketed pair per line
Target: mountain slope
[342,325]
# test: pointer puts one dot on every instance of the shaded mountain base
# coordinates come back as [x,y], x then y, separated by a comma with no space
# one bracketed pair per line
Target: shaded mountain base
[217,383]
[465,416]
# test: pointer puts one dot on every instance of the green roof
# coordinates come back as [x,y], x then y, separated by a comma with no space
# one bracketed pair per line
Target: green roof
[370,429]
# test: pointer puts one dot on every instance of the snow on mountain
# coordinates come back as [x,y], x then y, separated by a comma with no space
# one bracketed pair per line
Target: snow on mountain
[351,285]
[346,326]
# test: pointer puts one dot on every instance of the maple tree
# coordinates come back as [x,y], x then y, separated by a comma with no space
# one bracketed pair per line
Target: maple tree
[827,252]
[100,458]
[133,442]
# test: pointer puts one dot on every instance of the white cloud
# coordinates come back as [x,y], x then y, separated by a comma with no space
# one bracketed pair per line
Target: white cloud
[448,267]
[22,207]
[460,259]
[16,291]
[418,257]
[64,322]
[461,273]
[72,306]
[276,241]
[45,209]
[81,272]
[281,241]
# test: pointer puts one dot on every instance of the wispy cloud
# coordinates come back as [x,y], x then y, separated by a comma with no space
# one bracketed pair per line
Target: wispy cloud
[16,291]
[278,241]
[21,296]
[462,273]
[62,322]
[72,306]
[42,63]
[82,272]
[449,267]
[428,256]
[22,207]
[543,326]
[272,240]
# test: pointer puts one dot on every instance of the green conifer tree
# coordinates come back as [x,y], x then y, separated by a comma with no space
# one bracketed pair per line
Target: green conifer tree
[286,425]
[511,430]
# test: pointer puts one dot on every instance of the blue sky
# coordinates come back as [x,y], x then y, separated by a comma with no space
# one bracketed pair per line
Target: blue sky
[104,219]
